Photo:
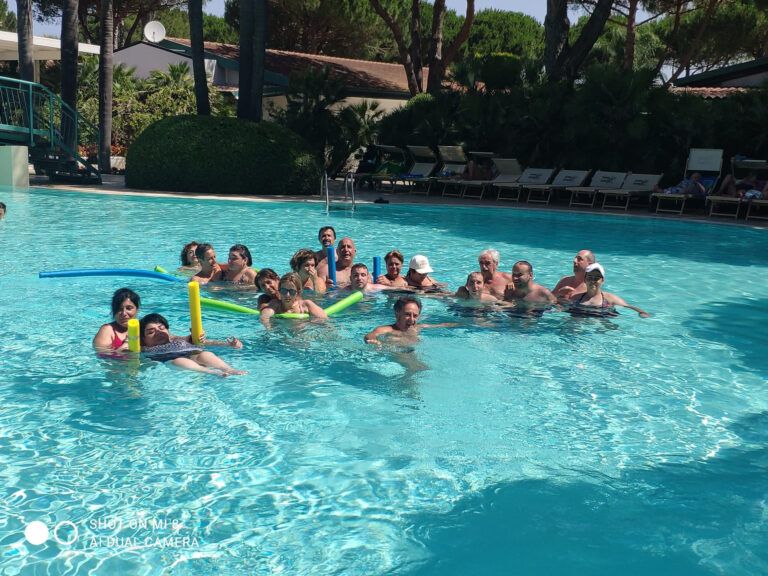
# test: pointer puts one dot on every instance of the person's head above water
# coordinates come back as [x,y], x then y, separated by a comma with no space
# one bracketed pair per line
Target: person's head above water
[582,259]
[206,255]
[420,265]
[359,277]
[125,305]
[522,273]
[268,281]
[594,274]
[290,288]
[154,330]
[346,250]
[188,257]
[3,210]
[327,236]
[488,260]
[407,312]
[242,251]
[302,259]
[474,283]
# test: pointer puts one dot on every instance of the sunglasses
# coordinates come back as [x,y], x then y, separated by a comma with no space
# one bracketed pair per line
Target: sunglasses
[288,291]
[593,278]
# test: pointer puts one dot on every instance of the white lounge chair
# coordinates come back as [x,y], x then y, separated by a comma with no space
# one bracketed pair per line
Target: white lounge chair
[508,170]
[542,193]
[635,185]
[600,181]
[706,161]
[530,176]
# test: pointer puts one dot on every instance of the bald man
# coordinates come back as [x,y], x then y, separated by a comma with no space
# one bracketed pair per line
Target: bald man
[345,258]
[570,285]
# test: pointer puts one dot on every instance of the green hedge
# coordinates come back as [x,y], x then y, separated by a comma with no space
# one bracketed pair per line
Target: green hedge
[221,155]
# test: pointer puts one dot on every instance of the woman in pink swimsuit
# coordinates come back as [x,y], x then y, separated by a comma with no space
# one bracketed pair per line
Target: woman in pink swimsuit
[114,336]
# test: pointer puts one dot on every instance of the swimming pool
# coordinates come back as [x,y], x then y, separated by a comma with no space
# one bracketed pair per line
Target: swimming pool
[556,445]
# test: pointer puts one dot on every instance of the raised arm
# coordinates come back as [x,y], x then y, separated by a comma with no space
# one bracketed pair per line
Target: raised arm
[618,301]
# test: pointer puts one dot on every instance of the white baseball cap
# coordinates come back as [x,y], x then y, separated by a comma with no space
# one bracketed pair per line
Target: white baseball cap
[420,264]
[597,267]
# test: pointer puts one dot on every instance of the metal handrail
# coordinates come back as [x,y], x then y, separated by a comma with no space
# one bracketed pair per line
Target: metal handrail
[32,109]
[349,189]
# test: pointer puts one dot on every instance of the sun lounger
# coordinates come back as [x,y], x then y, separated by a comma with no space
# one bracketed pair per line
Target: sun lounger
[542,193]
[706,161]
[755,210]
[600,181]
[453,163]
[421,169]
[508,170]
[635,185]
[726,206]
[530,176]
[393,164]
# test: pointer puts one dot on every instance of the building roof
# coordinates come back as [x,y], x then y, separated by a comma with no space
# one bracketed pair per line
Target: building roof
[42,48]
[709,91]
[725,74]
[360,77]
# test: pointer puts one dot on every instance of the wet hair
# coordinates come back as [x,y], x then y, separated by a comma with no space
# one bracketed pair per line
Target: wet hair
[358,266]
[394,254]
[151,319]
[525,263]
[323,229]
[3,206]
[184,260]
[302,257]
[494,254]
[202,249]
[242,249]
[292,278]
[123,294]
[403,300]
[266,274]
[473,274]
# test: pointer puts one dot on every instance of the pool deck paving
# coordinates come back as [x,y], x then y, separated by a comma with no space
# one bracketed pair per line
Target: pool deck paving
[115,184]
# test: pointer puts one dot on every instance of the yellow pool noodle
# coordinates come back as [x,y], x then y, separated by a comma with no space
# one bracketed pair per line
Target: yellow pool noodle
[194,311]
[134,339]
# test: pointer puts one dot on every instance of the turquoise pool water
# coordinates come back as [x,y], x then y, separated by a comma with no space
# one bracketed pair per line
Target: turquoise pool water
[527,446]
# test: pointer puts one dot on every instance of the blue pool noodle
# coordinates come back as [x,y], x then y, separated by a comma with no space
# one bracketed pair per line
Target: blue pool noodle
[376,267]
[109,272]
[331,264]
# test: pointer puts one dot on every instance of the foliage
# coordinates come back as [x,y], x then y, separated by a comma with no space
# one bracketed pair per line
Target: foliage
[226,155]
[612,120]
[7,18]
[176,22]
[509,32]
[332,27]
[138,103]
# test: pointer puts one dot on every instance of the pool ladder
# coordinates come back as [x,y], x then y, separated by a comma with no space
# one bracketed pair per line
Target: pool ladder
[349,191]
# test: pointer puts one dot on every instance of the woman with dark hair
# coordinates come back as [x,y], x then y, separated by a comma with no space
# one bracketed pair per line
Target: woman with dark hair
[189,262]
[304,263]
[238,269]
[268,282]
[160,345]
[114,336]
[210,270]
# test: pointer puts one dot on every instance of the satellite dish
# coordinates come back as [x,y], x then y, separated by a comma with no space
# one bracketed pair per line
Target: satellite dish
[154,31]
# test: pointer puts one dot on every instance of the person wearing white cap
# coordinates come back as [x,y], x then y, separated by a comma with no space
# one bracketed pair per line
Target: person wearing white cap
[418,274]
[570,285]
[595,302]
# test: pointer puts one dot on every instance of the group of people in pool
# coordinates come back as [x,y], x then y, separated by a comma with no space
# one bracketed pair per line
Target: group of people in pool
[580,293]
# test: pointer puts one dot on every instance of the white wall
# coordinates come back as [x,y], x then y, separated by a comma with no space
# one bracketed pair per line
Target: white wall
[146,58]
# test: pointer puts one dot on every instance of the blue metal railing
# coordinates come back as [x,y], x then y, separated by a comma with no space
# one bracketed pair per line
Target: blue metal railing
[32,115]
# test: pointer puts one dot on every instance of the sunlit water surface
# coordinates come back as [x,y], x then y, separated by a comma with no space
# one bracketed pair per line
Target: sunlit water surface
[556,445]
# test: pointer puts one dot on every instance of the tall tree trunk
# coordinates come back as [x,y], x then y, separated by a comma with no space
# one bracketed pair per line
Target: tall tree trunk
[259,58]
[107,42]
[629,44]
[245,90]
[443,57]
[435,57]
[568,62]
[24,30]
[556,27]
[415,51]
[195,8]
[69,53]
[402,49]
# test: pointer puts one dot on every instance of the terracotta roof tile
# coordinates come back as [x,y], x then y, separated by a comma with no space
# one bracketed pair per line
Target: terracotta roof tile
[708,92]
[358,76]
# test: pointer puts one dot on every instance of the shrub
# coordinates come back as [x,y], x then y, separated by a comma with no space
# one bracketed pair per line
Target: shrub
[225,155]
